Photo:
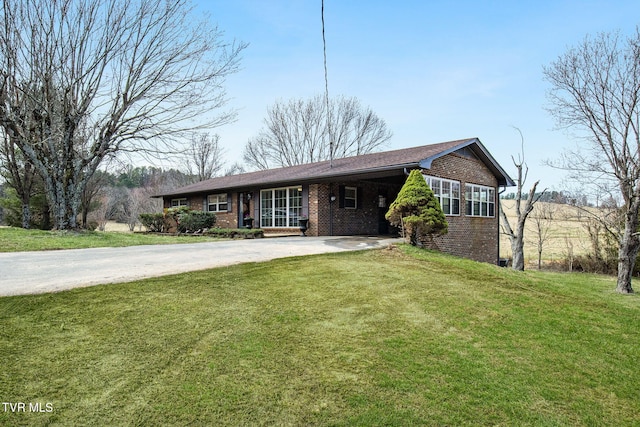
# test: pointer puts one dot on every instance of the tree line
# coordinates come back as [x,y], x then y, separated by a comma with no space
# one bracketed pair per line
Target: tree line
[87,82]
[554,196]
[119,196]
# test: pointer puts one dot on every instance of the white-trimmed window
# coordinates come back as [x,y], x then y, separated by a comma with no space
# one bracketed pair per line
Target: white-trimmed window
[448,193]
[280,207]
[217,202]
[350,197]
[176,203]
[480,200]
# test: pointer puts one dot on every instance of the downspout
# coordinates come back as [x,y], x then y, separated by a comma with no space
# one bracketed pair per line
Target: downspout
[498,216]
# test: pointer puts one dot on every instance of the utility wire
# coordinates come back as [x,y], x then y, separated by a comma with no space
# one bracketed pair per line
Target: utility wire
[326,89]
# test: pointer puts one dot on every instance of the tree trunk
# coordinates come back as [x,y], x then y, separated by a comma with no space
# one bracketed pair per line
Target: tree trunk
[46,217]
[85,215]
[26,213]
[517,251]
[627,254]
[625,272]
[539,255]
[63,202]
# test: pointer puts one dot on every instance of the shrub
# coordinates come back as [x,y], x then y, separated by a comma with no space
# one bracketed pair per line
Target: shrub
[195,220]
[417,210]
[153,222]
[180,219]
[237,233]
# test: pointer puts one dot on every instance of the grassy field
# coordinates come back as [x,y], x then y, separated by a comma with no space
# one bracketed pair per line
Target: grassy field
[388,337]
[566,227]
[17,239]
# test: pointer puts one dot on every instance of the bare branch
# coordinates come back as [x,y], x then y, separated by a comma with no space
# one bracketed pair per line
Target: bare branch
[595,91]
[297,132]
[516,236]
[84,80]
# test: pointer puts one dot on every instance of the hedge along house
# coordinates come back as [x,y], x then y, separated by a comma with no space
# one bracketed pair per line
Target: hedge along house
[350,196]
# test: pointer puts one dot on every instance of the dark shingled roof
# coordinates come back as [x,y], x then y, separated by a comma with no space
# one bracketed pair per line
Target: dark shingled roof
[372,164]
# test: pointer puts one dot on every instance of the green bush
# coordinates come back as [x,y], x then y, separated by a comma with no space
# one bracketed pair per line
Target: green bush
[191,221]
[417,210]
[153,222]
[11,207]
[236,233]
[182,220]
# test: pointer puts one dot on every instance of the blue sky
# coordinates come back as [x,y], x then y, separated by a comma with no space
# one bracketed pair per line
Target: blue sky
[433,70]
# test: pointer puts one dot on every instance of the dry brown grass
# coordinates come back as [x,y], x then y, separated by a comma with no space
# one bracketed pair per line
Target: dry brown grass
[567,227]
[118,227]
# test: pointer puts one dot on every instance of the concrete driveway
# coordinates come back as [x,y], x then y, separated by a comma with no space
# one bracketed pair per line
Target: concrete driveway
[51,271]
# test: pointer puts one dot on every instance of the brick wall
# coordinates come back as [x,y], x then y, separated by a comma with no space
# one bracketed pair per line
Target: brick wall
[470,237]
[328,218]
[223,219]
[318,212]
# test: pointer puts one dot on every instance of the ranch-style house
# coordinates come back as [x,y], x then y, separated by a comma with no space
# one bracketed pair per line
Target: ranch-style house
[350,196]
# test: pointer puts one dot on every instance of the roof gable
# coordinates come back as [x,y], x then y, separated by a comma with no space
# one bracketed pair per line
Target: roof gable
[474,147]
[381,162]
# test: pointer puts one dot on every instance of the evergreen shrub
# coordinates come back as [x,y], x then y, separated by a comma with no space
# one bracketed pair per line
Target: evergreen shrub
[417,210]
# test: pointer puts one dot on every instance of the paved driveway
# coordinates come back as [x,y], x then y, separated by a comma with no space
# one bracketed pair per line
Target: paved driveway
[51,271]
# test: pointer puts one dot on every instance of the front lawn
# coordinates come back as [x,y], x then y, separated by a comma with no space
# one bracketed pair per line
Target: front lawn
[14,239]
[385,337]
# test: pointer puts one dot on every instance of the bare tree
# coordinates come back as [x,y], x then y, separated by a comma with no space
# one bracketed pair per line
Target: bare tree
[297,132]
[107,205]
[234,169]
[595,90]
[516,236]
[83,80]
[92,189]
[570,255]
[139,200]
[204,156]
[542,217]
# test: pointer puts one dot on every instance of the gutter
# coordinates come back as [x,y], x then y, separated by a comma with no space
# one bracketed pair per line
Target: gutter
[294,180]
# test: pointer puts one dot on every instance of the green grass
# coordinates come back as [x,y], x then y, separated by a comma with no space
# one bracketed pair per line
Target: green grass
[17,239]
[386,337]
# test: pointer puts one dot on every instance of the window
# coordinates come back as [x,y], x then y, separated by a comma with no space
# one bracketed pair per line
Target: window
[176,203]
[280,207]
[480,200]
[447,192]
[350,197]
[217,203]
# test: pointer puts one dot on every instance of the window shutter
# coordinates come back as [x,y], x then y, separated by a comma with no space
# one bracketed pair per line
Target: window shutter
[305,200]
[229,203]
[341,196]
[359,198]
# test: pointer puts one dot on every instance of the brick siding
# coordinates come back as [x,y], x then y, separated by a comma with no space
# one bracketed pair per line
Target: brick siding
[328,218]
[223,219]
[470,237]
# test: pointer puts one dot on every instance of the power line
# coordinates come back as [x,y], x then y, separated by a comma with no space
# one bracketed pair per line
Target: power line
[326,89]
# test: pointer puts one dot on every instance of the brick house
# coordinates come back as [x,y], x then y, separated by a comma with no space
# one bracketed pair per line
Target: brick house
[352,195]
